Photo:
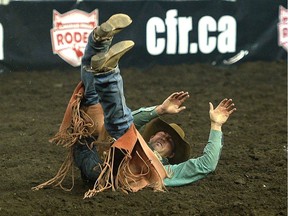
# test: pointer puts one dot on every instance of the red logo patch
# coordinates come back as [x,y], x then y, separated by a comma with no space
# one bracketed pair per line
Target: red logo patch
[70,32]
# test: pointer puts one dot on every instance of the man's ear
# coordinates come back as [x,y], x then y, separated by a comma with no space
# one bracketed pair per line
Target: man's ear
[151,137]
[172,155]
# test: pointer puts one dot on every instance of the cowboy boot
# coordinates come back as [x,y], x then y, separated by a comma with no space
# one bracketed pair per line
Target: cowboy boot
[112,26]
[102,62]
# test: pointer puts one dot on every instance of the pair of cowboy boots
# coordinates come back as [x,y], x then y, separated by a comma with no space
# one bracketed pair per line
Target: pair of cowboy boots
[103,62]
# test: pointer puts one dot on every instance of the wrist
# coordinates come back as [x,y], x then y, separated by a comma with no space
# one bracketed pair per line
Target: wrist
[159,110]
[216,126]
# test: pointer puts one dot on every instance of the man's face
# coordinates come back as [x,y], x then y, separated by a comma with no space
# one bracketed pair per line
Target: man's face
[163,144]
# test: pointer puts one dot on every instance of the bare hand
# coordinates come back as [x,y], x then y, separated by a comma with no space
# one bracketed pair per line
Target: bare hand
[172,104]
[221,113]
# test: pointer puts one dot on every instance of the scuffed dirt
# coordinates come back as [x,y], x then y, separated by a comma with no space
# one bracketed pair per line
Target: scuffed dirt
[251,175]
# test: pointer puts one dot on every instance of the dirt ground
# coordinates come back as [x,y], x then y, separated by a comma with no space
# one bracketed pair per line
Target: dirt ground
[251,177]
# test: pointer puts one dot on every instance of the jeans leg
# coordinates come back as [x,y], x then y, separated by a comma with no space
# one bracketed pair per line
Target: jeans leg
[92,48]
[90,94]
[117,116]
[87,160]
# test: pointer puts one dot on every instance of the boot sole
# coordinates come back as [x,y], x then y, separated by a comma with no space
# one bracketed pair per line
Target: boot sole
[111,58]
[115,24]
[119,21]
[117,51]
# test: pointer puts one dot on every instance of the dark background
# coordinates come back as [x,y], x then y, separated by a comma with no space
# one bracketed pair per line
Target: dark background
[27,24]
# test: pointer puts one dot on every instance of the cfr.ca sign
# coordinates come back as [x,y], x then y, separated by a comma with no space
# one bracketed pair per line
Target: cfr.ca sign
[70,33]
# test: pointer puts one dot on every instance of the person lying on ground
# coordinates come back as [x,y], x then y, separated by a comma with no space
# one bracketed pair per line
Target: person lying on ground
[157,158]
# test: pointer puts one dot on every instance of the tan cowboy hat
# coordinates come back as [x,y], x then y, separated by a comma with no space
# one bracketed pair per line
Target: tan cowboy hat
[181,149]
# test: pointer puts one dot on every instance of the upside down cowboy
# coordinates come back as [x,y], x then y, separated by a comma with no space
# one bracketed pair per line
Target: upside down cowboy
[119,149]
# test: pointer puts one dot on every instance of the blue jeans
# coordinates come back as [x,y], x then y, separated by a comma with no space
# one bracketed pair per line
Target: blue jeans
[106,89]
[92,48]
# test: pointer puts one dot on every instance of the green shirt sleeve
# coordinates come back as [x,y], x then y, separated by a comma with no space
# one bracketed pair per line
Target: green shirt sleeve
[143,115]
[194,169]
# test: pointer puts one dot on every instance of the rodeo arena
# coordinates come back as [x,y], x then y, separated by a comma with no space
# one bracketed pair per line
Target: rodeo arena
[134,107]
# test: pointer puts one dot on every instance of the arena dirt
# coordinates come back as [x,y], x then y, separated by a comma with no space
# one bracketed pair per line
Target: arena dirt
[251,175]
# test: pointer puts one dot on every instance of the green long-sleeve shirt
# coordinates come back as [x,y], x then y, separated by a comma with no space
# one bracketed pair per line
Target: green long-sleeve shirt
[193,169]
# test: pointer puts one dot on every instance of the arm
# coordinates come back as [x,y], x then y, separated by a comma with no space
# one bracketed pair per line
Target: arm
[171,105]
[196,169]
[143,115]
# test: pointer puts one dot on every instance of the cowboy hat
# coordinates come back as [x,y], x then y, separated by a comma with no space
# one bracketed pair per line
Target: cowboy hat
[181,146]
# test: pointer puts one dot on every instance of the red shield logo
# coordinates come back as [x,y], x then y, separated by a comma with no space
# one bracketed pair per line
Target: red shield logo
[70,32]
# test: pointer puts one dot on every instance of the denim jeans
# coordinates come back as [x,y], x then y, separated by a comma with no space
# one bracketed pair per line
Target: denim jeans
[106,89]
[92,48]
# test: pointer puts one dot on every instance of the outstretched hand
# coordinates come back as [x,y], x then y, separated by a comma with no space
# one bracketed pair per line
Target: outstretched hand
[173,104]
[221,113]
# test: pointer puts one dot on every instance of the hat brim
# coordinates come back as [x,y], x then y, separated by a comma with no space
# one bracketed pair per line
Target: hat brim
[182,148]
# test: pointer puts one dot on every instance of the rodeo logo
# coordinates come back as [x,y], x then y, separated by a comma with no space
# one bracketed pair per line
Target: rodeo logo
[70,33]
[283,28]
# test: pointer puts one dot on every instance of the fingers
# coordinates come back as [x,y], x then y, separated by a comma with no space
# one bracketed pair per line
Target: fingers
[173,95]
[211,106]
[181,96]
[226,103]
[231,108]
[231,111]
[229,105]
[223,102]
[181,108]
